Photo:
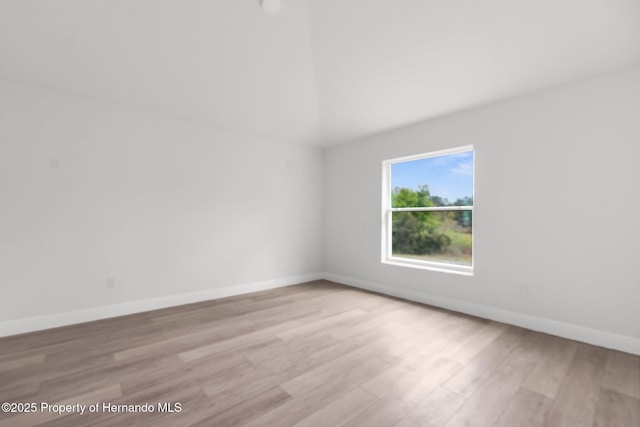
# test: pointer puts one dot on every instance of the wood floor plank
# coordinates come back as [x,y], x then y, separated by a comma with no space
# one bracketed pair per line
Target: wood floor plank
[19,391]
[480,368]
[248,382]
[351,369]
[402,380]
[386,412]
[317,389]
[489,400]
[317,354]
[238,342]
[282,367]
[187,341]
[246,410]
[478,341]
[384,320]
[189,396]
[21,363]
[525,409]
[272,354]
[342,320]
[622,373]
[434,411]
[617,410]
[428,380]
[548,375]
[55,380]
[340,411]
[300,313]
[404,342]
[577,399]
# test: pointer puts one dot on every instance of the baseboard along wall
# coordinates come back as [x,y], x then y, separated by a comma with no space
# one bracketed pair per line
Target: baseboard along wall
[597,337]
[37,323]
[565,330]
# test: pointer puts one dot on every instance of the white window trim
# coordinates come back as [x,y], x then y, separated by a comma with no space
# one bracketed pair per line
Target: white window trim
[387,210]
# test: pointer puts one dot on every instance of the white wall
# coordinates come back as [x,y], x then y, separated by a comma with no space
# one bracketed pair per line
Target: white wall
[91,190]
[557,202]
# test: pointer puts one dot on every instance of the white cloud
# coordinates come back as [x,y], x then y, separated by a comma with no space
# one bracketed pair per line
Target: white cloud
[463,168]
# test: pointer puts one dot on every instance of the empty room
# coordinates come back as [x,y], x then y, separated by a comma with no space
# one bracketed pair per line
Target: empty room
[319,213]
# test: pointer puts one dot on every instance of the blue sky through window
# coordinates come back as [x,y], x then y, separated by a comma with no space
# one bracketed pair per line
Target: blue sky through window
[449,176]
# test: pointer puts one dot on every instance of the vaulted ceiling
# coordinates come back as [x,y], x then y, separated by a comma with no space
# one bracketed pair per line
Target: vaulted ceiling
[318,71]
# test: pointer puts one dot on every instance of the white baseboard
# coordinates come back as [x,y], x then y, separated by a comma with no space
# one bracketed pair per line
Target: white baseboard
[565,330]
[31,324]
[540,324]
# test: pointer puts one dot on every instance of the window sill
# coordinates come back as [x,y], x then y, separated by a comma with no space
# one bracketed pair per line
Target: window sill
[433,266]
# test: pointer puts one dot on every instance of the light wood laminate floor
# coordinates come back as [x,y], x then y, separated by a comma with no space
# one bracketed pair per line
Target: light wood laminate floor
[317,354]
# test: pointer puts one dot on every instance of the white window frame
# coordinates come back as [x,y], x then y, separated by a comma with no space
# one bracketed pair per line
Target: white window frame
[388,210]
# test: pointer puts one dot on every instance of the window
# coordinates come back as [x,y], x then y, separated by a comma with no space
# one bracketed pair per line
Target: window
[427,205]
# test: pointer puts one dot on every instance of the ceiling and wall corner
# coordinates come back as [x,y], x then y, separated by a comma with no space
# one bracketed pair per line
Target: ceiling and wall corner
[225,63]
[385,64]
[317,72]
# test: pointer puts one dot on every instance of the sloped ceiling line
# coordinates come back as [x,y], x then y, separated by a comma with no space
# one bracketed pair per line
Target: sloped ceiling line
[317,72]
